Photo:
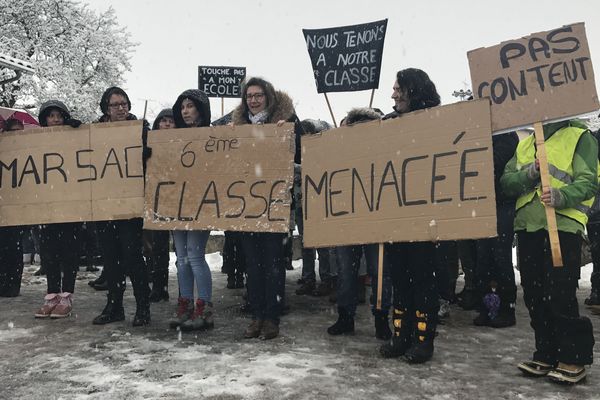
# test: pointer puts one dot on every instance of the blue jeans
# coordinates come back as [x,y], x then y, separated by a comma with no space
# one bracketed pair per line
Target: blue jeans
[191,264]
[348,258]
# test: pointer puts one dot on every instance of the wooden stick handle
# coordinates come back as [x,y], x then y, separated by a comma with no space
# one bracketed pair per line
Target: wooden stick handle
[330,111]
[550,213]
[222,106]
[379,276]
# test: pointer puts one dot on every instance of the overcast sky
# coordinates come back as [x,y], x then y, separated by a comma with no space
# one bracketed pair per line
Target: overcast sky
[265,36]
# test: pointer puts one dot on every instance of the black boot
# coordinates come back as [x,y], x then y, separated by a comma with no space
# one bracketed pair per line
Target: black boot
[401,338]
[239,280]
[421,349]
[142,313]
[159,287]
[594,299]
[382,326]
[344,324]
[113,311]
[230,280]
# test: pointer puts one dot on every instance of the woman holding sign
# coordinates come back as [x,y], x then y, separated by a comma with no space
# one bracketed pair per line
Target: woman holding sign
[413,263]
[264,251]
[192,109]
[58,241]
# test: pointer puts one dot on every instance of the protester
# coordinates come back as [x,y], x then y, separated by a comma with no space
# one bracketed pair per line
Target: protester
[121,240]
[326,274]
[563,339]
[58,241]
[156,243]
[192,109]
[593,233]
[494,271]
[349,260]
[264,251]
[11,254]
[413,264]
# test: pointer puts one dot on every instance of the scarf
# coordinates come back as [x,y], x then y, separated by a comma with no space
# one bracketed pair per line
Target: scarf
[259,118]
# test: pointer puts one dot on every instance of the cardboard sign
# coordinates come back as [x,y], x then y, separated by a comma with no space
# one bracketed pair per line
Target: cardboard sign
[347,58]
[544,76]
[221,81]
[224,178]
[64,174]
[424,176]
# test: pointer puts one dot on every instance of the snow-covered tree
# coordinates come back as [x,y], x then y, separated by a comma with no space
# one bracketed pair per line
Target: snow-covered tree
[76,53]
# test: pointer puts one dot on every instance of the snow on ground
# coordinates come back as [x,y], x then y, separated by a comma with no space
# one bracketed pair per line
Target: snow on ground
[73,359]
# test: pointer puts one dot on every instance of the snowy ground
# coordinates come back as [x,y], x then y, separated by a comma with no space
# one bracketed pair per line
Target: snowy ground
[73,359]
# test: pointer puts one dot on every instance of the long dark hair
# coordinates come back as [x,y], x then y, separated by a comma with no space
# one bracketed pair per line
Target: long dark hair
[421,90]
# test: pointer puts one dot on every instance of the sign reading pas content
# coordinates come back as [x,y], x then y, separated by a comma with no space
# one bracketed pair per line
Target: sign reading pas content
[64,174]
[541,77]
[221,81]
[221,178]
[347,58]
[425,176]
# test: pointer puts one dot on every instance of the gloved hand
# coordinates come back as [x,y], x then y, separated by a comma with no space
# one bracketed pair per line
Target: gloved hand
[533,171]
[73,123]
[146,152]
[553,198]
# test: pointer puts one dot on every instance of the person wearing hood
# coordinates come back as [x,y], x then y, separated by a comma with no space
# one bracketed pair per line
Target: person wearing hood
[349,263]
[11,249]
[564,340]
[416,302]
[121,240]
[327,274]
[59,240]
[265,251]
[156,243]
[192,109]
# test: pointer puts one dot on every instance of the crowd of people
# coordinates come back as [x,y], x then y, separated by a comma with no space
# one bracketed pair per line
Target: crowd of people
[419,278]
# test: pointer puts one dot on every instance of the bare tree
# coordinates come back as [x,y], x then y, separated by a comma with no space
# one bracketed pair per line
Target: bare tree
[76,54]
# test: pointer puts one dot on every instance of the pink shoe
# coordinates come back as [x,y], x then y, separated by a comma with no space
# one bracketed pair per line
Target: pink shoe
[64,307]
[51,300]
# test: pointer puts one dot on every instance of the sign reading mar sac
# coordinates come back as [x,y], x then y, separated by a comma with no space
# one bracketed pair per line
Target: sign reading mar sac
[221,81]
[425,176]
[64,174]
[347,58]
[541,77]
[221,178]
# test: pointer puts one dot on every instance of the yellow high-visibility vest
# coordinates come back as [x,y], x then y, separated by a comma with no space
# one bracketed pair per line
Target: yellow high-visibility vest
[560,148]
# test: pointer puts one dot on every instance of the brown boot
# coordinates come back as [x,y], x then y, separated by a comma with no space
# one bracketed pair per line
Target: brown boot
[253,330]
[270,330]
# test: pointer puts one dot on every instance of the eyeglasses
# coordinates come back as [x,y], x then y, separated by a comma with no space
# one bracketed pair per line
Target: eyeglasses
[116,106]
[256,96]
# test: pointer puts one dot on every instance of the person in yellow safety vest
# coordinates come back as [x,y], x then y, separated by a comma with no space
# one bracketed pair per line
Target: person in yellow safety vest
[563,339]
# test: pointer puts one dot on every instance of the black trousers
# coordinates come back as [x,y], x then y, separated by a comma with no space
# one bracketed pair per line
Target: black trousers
[561,335]
[593,231]
[11,260]
[494,259]
[121,243]
[234,261]
[446,268]
[265,263]
[413,266]
[58,249]
[156,252]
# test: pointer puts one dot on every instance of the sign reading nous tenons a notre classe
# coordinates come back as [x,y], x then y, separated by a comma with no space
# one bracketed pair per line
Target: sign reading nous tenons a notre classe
[347,58]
